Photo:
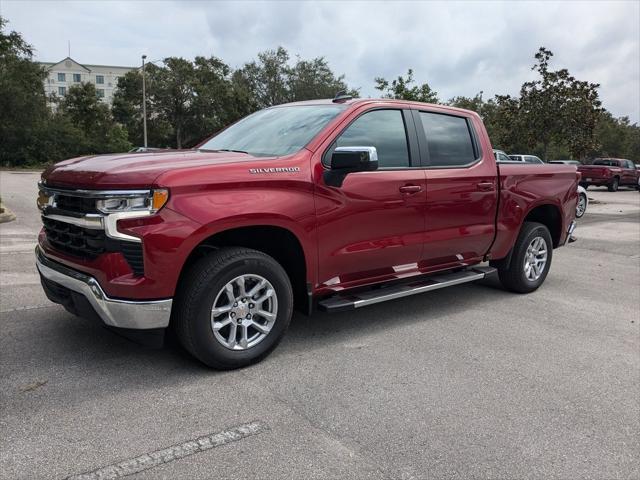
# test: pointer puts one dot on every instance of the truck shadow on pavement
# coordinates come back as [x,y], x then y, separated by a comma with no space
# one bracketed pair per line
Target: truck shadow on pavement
[101,359]
[322,328]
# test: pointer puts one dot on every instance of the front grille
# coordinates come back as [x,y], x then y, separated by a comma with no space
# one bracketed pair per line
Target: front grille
[88,244]
[76,204]
[74,240]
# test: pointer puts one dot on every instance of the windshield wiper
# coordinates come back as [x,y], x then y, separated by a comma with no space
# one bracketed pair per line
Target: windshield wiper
[229,150]
[224,150]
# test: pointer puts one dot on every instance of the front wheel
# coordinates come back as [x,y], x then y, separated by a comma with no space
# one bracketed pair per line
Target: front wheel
[613,186]
[530,261]
[234,307]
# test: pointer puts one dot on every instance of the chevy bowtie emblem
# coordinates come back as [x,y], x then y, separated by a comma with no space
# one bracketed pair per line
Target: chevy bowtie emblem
[274,170]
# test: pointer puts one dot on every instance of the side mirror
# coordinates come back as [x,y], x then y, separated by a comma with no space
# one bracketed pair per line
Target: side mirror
[345,160]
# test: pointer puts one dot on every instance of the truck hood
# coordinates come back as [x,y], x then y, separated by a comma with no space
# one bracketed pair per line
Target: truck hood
[131,170]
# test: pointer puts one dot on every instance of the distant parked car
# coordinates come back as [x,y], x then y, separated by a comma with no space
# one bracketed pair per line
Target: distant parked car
[583,201]
[501,157]
[525,158]
[566,162]
[610,172]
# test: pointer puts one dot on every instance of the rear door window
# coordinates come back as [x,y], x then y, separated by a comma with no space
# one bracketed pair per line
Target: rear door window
[449,140]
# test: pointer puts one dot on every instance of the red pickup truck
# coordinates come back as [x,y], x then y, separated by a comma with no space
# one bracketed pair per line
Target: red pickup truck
[332,205]
[610,172]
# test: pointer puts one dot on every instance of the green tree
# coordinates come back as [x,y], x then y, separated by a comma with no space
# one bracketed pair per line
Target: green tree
[616,137]
[127,110]
[501,117]
[267,77]
[23,108]
[558,108]
[313,79]
[272,79]
[475,103]
[82,108]
[403,89]
[186,101]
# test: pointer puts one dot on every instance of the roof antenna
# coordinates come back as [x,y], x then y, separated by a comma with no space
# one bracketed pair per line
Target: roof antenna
[69,48]
[341,96]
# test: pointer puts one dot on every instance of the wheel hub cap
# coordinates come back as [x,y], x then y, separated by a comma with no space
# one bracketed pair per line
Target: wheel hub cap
[244,312]
[535,259]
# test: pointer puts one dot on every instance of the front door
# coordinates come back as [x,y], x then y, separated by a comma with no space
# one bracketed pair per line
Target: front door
[371,227]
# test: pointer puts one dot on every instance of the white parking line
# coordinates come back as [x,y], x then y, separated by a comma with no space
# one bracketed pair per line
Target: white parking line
[28,307]
[166,455]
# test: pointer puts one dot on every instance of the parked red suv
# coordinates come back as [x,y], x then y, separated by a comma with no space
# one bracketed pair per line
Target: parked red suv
[324,204]
[609,172]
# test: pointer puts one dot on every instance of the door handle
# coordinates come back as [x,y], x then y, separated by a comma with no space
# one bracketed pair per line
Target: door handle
[486,186]
[410,189]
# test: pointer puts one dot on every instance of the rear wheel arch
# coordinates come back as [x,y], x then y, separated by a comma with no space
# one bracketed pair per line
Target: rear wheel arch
[548,215]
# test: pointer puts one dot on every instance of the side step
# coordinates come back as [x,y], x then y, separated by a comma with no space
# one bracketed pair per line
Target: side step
[351,301]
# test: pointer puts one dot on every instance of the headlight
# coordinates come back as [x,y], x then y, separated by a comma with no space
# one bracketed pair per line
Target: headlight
[45,199]
[148,202]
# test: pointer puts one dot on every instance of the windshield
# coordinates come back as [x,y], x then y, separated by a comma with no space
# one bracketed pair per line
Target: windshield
[275,132]
[609,163]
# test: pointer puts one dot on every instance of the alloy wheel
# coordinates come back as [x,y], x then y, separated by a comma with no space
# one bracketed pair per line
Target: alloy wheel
[535,259]
[582,206]
[244,312]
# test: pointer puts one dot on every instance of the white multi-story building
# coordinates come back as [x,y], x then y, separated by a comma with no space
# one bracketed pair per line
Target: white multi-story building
[66,73]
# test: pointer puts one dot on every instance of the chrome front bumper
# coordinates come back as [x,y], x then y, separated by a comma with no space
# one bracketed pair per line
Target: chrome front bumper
[139,315]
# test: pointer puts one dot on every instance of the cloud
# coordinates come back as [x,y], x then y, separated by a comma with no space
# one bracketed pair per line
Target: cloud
[459,48]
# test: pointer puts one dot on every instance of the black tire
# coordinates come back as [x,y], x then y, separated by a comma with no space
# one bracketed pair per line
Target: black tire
[585,186]
[513,277]
[613,186]
[201,284]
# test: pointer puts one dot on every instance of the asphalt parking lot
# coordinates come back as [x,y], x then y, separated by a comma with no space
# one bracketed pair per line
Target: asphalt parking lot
[467,382]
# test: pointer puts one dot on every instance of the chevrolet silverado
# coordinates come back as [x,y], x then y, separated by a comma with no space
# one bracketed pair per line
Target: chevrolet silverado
[329,204]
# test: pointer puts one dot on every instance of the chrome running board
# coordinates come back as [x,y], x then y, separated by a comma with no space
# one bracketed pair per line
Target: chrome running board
[351,301]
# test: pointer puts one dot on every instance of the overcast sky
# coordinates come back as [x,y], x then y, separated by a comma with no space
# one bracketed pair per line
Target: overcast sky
[459,48]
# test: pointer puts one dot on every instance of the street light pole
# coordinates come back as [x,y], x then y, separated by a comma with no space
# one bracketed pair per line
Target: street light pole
[144,104]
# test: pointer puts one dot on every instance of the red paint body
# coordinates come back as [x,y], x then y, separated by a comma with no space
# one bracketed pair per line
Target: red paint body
[364,232]
[603,175]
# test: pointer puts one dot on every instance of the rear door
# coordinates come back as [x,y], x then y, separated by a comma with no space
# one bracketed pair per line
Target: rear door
[462,194]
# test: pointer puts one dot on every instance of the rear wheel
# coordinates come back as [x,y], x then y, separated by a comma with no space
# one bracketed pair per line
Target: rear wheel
[530,261]
[613,186]
[234,308]
[581,208]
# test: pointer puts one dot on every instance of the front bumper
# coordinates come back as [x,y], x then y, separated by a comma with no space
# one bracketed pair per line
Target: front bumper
[130,314]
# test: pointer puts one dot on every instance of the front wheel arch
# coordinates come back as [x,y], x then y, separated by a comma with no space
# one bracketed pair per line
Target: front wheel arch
[277,242]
